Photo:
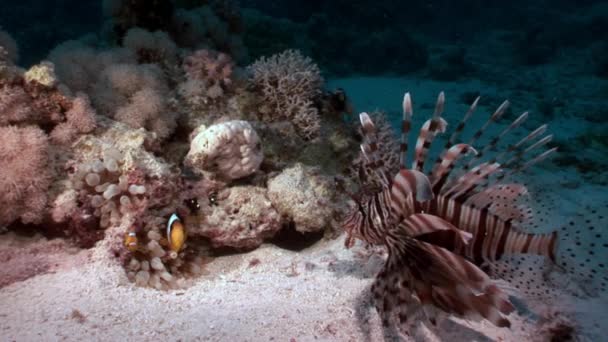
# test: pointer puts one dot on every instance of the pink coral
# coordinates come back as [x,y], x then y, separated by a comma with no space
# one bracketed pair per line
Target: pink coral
[136,95]
[31,103]
[24,176]
[14,105]
[209,66]
[81,118]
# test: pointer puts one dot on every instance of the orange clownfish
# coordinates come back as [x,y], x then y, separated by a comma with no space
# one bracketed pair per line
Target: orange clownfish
[131,240]
[176,233]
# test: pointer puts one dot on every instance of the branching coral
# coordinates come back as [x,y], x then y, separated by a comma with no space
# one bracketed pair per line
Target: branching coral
[24,175]
[289,83]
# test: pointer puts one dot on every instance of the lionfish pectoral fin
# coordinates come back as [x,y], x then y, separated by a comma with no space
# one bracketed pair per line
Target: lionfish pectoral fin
[435,230]
[349,242]
[458,286]
[408,185]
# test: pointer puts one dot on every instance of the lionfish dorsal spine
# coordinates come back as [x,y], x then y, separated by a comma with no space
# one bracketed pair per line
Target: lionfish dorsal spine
[406,126]
[496,139]
[428,132]
[369,148]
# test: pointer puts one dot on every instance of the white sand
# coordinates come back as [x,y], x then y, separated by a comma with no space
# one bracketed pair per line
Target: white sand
[304,296]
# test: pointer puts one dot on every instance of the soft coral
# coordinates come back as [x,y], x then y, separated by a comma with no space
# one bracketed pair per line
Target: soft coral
[24,176]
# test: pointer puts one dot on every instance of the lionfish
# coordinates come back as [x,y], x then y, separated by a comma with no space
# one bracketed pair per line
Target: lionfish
[441,227]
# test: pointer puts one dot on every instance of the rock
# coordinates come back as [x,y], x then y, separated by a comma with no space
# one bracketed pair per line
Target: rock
[243,219]
[304,196]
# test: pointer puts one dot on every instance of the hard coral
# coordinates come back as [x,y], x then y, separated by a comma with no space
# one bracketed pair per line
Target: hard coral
[209,26]
[303,196]
[24,176]
[289,83]
[243,218]
[230,150]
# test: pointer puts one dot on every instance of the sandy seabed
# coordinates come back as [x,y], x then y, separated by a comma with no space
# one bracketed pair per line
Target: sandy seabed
[316,294]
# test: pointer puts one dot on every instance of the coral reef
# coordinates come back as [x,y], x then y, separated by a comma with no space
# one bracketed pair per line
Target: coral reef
[303,196]
[209,78]
[24,176]
[230,150]
[154,149]
[289,83]
[243,218]
[136,95]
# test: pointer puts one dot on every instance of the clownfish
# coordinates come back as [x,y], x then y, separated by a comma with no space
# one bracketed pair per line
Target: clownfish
[131,242]
[176,233]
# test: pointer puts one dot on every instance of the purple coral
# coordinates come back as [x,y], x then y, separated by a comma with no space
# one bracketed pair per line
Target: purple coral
[24,176]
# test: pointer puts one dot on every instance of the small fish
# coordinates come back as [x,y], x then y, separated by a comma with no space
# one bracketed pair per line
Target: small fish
[131,242]
[176,233]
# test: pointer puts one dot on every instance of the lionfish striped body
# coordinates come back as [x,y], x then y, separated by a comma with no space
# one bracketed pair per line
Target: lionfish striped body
[439,228]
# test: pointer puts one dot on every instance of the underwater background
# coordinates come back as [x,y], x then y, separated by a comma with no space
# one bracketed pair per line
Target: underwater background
[181,169]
